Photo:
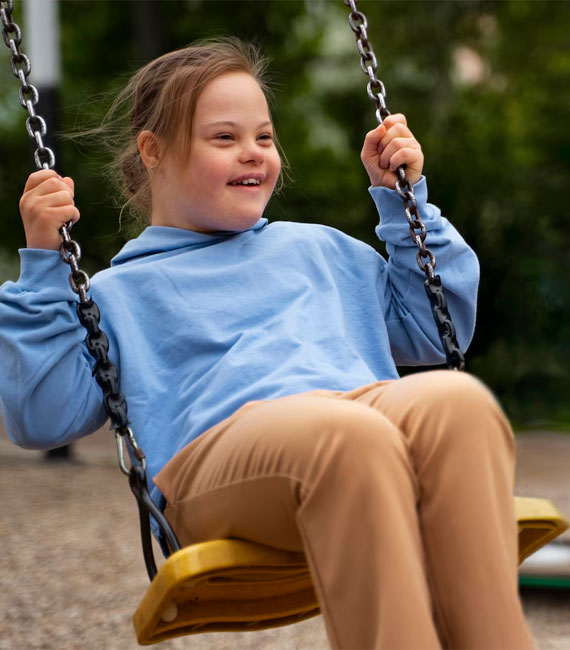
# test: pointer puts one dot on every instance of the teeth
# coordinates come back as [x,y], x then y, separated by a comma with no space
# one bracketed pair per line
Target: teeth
[248,181]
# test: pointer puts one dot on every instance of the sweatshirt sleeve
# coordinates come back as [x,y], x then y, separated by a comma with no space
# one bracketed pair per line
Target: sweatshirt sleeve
[413,334]
[48,396]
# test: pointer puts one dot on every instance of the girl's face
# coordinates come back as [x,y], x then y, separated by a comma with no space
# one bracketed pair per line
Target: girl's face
[233,163]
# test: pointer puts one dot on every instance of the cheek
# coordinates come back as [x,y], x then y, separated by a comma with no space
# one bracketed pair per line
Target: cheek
[209,170]
[276,166]
[209,173]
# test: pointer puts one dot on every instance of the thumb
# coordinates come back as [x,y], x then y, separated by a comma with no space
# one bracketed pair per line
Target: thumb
[372,141]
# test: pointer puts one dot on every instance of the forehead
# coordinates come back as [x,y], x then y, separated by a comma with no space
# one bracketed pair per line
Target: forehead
[234,93]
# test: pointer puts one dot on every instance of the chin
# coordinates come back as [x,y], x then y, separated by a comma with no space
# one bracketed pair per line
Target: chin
[241,223]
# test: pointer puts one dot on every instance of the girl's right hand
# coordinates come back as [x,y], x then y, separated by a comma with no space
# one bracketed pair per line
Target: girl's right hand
[45,206]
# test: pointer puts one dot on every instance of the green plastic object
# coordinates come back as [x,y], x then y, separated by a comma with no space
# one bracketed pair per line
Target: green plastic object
[548,568]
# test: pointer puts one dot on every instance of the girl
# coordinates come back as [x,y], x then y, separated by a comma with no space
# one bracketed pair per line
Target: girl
[271,408]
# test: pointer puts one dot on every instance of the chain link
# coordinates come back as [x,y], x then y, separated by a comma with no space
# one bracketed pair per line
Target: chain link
[424,257]
[105,372]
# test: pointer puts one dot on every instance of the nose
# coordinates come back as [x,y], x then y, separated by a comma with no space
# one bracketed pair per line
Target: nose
[252,152]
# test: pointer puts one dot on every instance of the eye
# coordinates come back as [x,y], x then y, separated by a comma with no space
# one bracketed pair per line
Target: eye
[224,136]
[266,137]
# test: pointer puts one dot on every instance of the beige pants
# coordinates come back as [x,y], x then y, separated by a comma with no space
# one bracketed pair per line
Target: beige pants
[400,493]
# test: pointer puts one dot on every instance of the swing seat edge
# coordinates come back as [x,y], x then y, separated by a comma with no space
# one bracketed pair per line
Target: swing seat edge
[539,523]
[225,585]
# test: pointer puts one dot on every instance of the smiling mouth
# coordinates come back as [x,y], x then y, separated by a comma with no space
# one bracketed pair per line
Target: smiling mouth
[246,181]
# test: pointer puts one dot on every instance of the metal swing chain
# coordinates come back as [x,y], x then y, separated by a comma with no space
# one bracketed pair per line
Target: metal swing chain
[35,125]
[434,289]
[104,371]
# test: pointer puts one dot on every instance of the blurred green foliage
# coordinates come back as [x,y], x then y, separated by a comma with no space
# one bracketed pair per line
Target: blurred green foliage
[485,87]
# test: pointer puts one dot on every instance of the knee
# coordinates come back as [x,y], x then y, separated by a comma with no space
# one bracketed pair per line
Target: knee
[460,392]
[468,406]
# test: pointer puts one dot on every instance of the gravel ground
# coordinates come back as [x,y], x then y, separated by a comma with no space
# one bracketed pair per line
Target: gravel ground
[73,570]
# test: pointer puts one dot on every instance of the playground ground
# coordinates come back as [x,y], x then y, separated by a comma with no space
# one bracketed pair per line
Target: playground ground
[72,569]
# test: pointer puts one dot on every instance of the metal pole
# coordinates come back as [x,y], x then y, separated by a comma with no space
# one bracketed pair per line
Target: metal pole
[41,23]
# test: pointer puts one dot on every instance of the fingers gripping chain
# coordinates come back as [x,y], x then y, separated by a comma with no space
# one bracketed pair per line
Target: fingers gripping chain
[425,258]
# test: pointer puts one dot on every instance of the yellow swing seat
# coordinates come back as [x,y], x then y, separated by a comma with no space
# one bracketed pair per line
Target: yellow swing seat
[234,585]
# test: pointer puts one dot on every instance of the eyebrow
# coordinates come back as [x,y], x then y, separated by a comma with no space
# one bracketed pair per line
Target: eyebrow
[230,123]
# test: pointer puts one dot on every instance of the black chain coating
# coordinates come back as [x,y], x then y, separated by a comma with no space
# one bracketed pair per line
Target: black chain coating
[104,371]
[445,325]
[425,258]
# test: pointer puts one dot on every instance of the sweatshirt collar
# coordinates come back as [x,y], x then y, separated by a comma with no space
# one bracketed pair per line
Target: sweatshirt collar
[163,239]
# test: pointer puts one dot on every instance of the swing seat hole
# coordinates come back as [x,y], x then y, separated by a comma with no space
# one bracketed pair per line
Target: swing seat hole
[169,613]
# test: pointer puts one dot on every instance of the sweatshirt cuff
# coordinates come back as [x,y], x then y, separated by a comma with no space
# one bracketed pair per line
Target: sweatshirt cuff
[389,202]
[40,268]
[391,211]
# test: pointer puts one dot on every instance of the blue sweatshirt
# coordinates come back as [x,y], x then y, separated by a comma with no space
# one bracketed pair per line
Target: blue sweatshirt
[200,324]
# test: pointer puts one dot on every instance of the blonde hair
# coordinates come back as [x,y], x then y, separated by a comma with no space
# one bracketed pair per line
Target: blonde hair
[161,97]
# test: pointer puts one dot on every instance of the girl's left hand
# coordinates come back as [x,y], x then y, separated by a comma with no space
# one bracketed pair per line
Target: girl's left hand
[387,147]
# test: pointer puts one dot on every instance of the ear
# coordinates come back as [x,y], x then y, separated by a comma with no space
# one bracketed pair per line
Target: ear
[149,148]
